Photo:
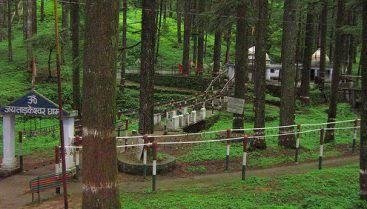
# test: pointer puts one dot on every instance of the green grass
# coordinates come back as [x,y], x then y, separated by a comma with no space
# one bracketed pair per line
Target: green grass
[196,169]
[329,188]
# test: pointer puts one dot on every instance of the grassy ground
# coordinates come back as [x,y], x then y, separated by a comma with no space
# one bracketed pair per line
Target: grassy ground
[330,188]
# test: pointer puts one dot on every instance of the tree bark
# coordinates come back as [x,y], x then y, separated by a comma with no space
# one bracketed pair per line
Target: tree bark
[194,20]
[288,73]
[217,52]
[99,173]
[260,71]
[200,54]
[27,13]
[2,20]
[179,21]
[339,48]
[307,55]
[323,39]
[65,29]
[124,44]
[10,45]
[34,17]
[363,143]
[75,17]
[149,29]
[161,12]
[228,45]
[187,35]
[241,59]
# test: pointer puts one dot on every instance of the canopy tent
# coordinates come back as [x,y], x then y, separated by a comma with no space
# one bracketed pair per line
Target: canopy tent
[37,105]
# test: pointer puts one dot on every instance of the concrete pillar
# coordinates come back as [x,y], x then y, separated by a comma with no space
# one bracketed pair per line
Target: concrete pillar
[174,113]
[68,125]
[181,122]
[185,110]
[187,116]
[193,116]
[203,113]
[175,122]
[9,161]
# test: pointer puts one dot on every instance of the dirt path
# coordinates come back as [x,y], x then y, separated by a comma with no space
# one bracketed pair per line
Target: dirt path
[13,190]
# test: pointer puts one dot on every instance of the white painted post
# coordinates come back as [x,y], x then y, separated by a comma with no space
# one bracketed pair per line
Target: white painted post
[181,121]
[9,161]
[68,125]
[203,113]
[175,122]
[193,115]
[188,119]
[174,113]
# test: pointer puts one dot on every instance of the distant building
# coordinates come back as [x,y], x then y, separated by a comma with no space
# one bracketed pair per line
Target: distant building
[273,69]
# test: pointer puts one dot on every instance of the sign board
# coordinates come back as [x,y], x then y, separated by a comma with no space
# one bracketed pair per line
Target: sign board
[33,104]
[235,105]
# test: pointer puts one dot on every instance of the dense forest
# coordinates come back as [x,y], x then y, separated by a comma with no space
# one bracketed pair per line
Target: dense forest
[288,64]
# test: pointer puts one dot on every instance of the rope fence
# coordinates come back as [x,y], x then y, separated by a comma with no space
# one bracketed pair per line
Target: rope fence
[150,144]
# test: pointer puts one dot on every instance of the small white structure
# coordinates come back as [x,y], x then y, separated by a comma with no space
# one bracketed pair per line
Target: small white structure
[315,66]
[251,56]
[273,71]
[32,104]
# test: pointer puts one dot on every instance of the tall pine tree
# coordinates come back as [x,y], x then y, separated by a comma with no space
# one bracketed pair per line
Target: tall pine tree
[288,73]
[99,173]
[363,145]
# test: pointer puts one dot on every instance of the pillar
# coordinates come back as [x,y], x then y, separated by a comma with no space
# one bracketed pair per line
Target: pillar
[193,115]
[9,161]
[68,125]
[203,113]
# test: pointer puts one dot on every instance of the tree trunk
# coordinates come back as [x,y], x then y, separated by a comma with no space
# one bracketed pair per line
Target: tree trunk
[2,20]
[187,34]
[99,173]
[323,39]
[241,59]
[149,29]
[307,55]
[29,32]
[288,73]
[332,35]
[42,10]
[161,4]
[124,44]
[351,42]
[179,21]
[217,53]
[228,45]
[65,29]
[10,47]
[75,17]
[338,59]
[363,145]
[194,21]
[200,54]
[260,71]
[34,17]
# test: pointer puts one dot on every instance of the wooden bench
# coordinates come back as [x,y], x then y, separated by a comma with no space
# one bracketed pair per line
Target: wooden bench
[48,181]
